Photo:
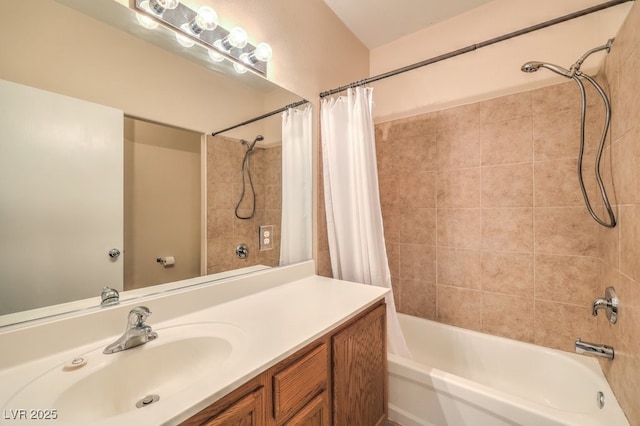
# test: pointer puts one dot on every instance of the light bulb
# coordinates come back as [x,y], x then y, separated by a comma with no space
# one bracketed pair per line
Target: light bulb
[240,69]
[215,56]
[207,19]
[146,22]
[237,37]
[184,41]
[245,58]
[262,53]
[159,6]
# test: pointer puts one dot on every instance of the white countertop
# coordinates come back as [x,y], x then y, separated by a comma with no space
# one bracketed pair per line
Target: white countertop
[276,321]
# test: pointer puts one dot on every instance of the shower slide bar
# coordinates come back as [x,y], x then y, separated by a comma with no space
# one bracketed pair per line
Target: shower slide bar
[263,116]
[476,46]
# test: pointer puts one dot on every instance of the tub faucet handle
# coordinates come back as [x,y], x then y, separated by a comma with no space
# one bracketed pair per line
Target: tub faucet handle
[610,302]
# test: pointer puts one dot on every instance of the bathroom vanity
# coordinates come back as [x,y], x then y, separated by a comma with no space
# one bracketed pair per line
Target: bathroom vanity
[273,347]
[341,375]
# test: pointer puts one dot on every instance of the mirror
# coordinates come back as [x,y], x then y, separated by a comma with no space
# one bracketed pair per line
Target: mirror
[97,52]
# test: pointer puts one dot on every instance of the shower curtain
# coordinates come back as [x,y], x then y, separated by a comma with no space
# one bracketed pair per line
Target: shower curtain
[352,200]
[296,231]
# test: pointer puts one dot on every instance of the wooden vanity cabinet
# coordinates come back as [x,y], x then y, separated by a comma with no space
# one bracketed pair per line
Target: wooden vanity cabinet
[339,379]
[359,357]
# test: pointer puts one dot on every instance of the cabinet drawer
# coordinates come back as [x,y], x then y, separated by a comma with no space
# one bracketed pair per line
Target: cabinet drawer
[300,382]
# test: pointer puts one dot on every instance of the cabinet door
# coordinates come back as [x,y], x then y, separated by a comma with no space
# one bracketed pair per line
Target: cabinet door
[360,372]
[315,413]
[247,411]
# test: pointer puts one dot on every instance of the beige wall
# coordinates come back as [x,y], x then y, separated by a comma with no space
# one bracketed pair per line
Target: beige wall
[162,208]
[490,71]
[224,188]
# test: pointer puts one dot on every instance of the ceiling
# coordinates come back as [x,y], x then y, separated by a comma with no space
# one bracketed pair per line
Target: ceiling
[377,22]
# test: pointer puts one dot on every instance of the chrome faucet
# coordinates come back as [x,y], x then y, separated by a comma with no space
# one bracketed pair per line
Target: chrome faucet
[137,332]
[586,348]
[609,302]
[109,296]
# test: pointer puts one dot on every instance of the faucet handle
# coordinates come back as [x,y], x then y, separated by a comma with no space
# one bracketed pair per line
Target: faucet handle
[138,315]
[610,302]
[109,296]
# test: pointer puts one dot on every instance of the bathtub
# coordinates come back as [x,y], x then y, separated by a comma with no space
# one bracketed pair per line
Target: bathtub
[460,377]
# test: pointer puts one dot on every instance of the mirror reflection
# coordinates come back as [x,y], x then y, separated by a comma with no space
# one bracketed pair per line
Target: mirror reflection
[166,198]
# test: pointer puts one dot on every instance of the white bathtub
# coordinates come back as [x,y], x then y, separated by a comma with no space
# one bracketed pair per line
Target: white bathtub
[460,377]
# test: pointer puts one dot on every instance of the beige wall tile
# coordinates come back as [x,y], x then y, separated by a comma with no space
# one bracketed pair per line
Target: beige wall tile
[388,187]
[560,97]
[506,108]
[609,243]
[416,154]
[418,226]
[409,127]
[418,262]
[565,231]
[459,188]
[220,223]
[220,196]
[418,298]
[393,257]
[387,156]
[628,292]
[417,190]
[556,184]
[558,325]
[458,148]
[507,229]
[459,228]
[630,241]
[459,267]
[626,173]
[508,316]
[629,108]
[459,118]
[556,135]
[460,307]
[507,186]
[567,279]
[392,220]
[507,142]
[507,273]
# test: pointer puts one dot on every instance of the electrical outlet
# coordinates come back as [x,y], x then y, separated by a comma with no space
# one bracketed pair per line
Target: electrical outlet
[266,237]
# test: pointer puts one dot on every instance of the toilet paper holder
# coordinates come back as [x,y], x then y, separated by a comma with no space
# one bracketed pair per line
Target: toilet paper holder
[166,261]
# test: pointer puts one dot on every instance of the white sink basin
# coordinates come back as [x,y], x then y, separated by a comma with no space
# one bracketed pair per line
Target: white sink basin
[112,385]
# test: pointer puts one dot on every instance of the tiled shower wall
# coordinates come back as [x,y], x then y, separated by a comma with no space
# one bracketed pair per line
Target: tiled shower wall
[620,247]
[224,187]
[484,221]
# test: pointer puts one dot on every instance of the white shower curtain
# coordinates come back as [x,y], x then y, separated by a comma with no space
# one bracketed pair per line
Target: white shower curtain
[352,200]
[296,231]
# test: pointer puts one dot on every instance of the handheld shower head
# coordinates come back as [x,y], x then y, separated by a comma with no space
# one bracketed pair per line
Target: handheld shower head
[257,139]
[535,66]
[250,145]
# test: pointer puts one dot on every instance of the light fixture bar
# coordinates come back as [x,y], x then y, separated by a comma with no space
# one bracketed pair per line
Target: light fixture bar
[179,19]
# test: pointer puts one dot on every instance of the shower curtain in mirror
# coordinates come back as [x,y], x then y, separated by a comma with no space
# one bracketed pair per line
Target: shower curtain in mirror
[352,200]
[296,232]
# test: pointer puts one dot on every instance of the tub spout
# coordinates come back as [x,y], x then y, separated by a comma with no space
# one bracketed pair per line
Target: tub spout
[586,348]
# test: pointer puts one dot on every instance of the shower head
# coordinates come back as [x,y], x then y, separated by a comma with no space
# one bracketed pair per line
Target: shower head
[535,66]
[257,139]
[250,145]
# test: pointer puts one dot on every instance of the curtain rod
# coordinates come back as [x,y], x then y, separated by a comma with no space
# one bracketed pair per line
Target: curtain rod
[476,46]
[269,114]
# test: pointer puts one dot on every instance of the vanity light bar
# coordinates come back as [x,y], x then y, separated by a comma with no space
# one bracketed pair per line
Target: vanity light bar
[183,20]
